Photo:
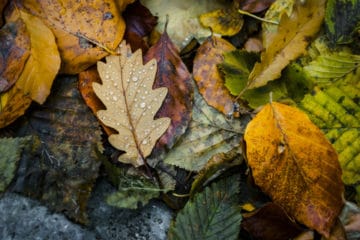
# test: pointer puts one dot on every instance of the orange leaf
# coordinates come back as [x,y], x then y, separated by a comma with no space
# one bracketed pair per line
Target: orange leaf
[293,162]
[207,76]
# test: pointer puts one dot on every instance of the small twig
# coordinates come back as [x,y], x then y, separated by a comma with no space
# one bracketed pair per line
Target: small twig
[256,17]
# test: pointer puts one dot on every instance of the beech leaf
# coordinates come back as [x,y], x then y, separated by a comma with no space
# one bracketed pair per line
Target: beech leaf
[212,214]
[131,104]
[293,162]
[291,40]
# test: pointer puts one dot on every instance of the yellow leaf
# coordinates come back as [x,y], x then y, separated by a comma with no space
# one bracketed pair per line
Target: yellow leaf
[293,162]
[43,63]
[131,104]
[226,22]
[290,42]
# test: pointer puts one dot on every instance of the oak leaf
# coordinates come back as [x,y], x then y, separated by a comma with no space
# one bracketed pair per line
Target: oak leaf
[173,74]
[207,75]
[293,162]
[131,104]
[289,42]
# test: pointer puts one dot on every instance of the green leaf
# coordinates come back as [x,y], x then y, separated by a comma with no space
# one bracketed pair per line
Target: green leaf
[209,133]
[342,20]
[10,153]
[336,110]
[212,214]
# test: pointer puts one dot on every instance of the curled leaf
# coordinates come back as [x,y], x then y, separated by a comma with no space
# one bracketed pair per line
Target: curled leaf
[131,104]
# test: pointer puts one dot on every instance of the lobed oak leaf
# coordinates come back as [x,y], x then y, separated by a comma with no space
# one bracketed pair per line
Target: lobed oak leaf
[293,162]
[289,42]
[131,104]
[207,76]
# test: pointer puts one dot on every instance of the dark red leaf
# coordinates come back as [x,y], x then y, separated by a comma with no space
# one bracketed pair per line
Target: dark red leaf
[255,6]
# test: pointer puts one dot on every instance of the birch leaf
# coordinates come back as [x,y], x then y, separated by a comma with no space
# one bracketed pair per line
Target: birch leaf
[290,42]
[131,104]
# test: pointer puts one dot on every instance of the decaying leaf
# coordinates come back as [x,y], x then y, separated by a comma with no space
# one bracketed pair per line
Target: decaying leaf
[270,222]
[42,66]
[291,40]
[172,74]
[131,104]
[255,6]
[226,22]
[293,162]
[10,153]
[15,50]
[84,30]
[207,75]
[63,165]
[2,5]
[212,214]
[209,133]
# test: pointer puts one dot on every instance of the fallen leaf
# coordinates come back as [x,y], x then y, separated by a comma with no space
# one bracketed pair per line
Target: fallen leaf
[2,5]
[291,40]
[42,66]
[209,133]
[183,24]
[270,222]
[86,79]
[255,6]
[207,75]
[131,104]
[342,18]
[85,31]
[172,74]
[226,22]
[139,23]
[63,166]
[293,162]
[212,214]
[14,52]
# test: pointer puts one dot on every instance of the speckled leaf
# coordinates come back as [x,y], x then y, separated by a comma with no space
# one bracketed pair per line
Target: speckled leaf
[10,153]
[207,75]
[342,20]
[131,104]
[172,74]
[336,110]
[212,214]
[209,133]
[61,173]
[290,41]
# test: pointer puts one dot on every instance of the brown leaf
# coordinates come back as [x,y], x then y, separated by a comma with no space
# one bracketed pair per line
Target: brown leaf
[255,6]
[84,30]
[207,75]
[139,23]
[86,79]
[293,162]
[2,5]
[131,104]
[14,51]
[172,74]
[270,222]
[291,40]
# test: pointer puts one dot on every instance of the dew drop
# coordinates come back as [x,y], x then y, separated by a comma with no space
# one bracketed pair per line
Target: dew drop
[146,92]
[115,84]
[107,76]
[142,105]
[111,92]
[142,97]
[144,142]
[149,107]
[127,80]
[115,98]
[107,98]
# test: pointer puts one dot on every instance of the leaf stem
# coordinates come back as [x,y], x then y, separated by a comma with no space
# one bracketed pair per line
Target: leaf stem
[258,18]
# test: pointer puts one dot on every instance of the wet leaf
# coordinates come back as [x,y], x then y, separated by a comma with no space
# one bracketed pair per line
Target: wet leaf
[270,222]
[139,23]
[226,22]
[207,75]
[183,24]
[64,166]
[10,153]
[131,104]
[291,40]
[293,162]
[342,20]
[84,30]
[15,50]
[255,6]
[209,133]
[213,214]
[172,74]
